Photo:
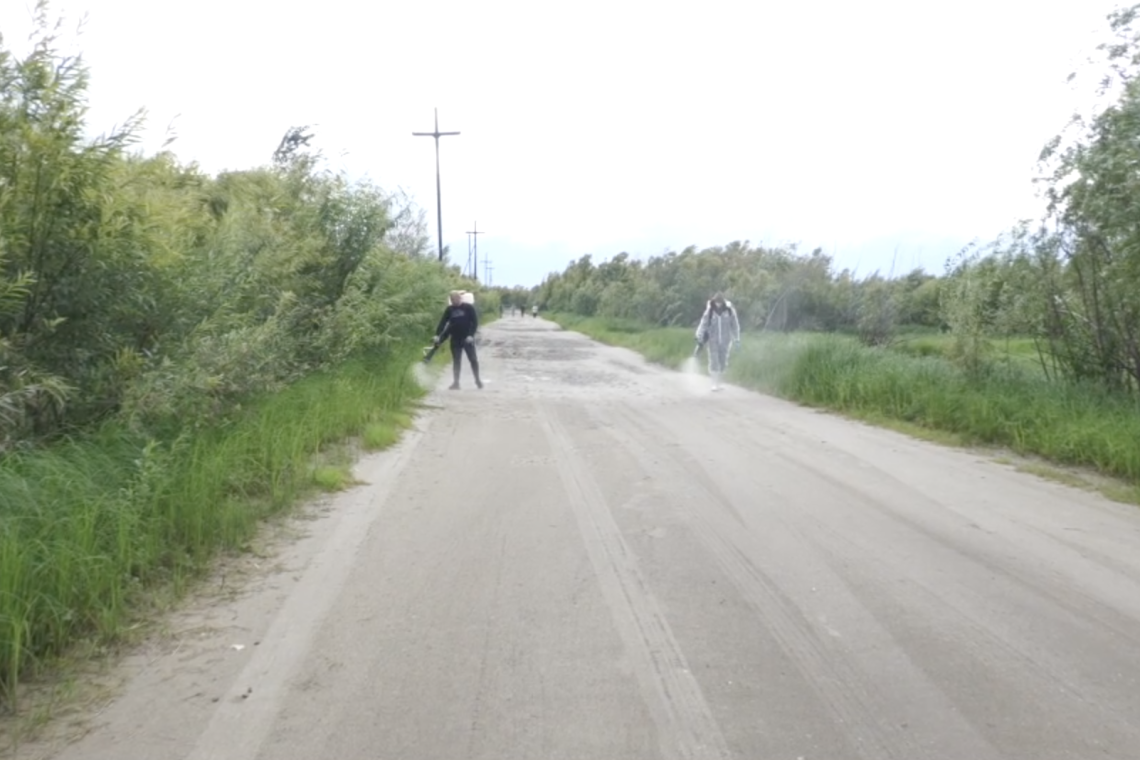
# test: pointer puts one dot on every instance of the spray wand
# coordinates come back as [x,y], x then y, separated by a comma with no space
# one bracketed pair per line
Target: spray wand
[429,352]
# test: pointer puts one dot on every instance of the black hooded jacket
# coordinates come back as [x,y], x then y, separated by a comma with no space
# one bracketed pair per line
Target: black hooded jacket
[460,321]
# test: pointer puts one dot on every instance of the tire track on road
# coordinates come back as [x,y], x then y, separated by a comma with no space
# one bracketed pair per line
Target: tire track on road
[686,726]
[245,715]
[855,697]
[995,642]
[1107,611]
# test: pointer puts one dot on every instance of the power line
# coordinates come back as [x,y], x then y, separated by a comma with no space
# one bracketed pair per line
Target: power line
[475,233]
[438,198]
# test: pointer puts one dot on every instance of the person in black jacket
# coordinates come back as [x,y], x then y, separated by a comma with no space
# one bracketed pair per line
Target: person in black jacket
[459,324]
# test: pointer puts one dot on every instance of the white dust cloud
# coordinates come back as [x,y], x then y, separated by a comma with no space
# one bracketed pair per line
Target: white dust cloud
[423,376]
[692,379]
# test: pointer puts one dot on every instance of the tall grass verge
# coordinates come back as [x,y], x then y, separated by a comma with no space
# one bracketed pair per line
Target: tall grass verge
[1010,404]
[90,528]
[661,345]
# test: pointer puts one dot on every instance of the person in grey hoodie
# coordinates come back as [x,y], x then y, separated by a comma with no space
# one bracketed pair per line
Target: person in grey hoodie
[719,331]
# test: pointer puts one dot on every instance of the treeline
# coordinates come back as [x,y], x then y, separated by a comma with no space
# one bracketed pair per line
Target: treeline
[138,287]
[180,353]
[774,288]
[1070,281]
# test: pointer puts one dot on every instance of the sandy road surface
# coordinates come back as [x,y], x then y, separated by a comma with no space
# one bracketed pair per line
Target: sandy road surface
[590,559]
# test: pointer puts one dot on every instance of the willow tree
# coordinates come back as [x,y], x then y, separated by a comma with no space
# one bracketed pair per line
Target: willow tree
[1089,249]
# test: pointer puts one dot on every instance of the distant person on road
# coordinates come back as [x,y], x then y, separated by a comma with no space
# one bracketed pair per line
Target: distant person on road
[534,311]
[459,324]
[718,331]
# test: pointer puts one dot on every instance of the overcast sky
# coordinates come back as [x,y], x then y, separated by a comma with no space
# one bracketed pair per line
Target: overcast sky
[877,129]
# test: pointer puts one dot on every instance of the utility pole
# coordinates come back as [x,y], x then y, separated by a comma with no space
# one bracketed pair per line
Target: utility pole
[467,268]
[438,199]
[475,233]
[487,268]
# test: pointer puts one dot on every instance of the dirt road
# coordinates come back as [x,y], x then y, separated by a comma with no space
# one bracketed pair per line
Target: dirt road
[593,559]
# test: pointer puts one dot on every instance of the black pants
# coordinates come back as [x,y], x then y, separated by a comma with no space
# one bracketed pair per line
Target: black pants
[458,347]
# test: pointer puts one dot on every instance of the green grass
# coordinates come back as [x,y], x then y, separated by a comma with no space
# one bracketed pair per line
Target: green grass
[90,529]
[332,477]
[386,430]
[663,345]
[1018,352]
[1012,405]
